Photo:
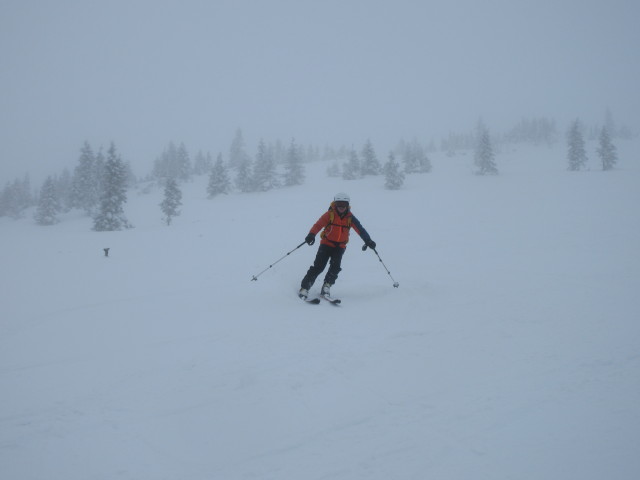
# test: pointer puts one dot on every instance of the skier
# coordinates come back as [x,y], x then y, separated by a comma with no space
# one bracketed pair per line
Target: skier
[336,223]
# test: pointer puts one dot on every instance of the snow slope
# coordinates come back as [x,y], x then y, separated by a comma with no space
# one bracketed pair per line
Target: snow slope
[511,349]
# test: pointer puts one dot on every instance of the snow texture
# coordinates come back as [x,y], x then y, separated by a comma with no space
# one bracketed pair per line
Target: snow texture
[509,351]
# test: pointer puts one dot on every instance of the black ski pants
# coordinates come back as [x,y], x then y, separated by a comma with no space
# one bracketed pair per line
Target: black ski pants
[326,254]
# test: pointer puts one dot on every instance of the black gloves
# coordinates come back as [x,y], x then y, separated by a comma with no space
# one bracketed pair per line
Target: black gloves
[310,239]
[369,243]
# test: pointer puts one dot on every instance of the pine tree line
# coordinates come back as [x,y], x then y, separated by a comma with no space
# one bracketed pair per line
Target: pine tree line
[535,131]
[98,187]
[93,189]
[360,165]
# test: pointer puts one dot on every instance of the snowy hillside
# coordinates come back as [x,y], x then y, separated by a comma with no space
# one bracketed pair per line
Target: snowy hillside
[511,349]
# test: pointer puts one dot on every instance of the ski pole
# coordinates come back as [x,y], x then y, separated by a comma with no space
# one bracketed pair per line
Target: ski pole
[395,284]
[255,277]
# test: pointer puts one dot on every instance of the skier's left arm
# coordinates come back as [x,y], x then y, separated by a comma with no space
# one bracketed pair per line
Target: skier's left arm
[360,230]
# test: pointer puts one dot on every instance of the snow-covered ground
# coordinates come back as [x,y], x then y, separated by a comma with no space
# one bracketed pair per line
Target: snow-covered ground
[511,349]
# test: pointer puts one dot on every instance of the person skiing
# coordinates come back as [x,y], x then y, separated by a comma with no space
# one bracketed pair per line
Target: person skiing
[335,224]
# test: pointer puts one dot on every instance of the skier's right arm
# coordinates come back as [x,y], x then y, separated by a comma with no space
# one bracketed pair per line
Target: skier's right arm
[319,225]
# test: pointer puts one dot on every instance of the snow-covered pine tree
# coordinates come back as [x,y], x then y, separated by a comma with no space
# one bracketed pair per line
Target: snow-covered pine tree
[162,165]
[183,163]
[576,153]
[607,150]
[173,163]
[264,169]
[172,201]
[333,170]
[202,163]
[16,198]
[99,171]
[63,189]
[243,179]
[610,124]
[294,169]
[409,158]
[85,193]
[48,204]
[370,164]
[394,178]
[218,179]
[279,152]
[237,152]
[111,216]
[484,157]
[415,158]
[351,170]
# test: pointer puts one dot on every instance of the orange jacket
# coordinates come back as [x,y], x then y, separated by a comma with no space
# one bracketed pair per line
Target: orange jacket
[336,231]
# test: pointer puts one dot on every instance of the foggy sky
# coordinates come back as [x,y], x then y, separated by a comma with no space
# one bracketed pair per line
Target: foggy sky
[143,73]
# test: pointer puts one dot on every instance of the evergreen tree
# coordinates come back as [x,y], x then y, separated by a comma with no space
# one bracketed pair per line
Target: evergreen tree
[279,152]
[394,178]
[16,198]
[333,170]
[63,190]
[48,204]
[351,170]
[610,124]
[237,152]
[409,158]
[607,150]
[244,180]
[415,158]
[25,196]
[576,154]
[99,171]
[183,163]
[484,157]
[218,179]
[114,195]
[202,164]
[172,200]
[370,164]
[85,183]
[264,170]
[294,169]
[172,163]
[161,167]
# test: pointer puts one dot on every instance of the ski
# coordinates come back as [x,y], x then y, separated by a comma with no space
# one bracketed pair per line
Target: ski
[332,301]
[316,300]
[312,301]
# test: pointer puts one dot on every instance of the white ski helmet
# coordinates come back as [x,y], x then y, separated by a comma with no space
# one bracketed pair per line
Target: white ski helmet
[341,197]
